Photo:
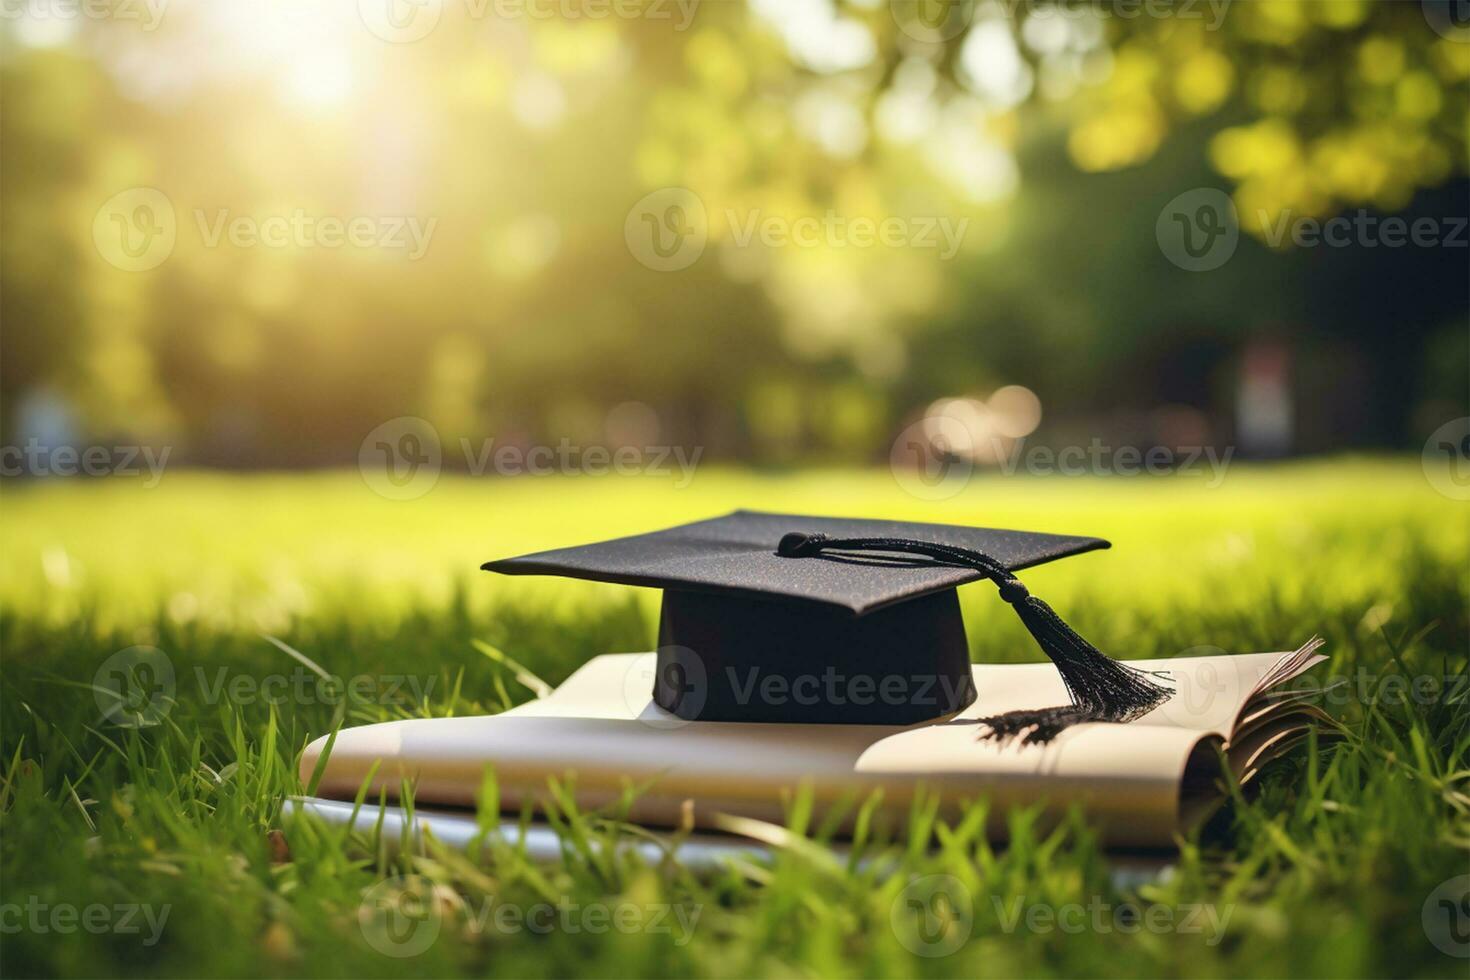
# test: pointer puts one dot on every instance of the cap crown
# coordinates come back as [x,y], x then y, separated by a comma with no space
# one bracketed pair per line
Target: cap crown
[736,555]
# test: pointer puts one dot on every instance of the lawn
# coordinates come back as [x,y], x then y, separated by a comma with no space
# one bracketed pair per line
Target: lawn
[153,851]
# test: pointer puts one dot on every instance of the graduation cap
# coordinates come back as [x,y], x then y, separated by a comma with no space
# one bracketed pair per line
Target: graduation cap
[781,618]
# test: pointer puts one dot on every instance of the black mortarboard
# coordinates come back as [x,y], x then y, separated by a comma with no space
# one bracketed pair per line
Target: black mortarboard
[780,618]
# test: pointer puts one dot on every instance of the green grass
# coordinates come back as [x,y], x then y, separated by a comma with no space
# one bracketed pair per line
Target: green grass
[1324,873]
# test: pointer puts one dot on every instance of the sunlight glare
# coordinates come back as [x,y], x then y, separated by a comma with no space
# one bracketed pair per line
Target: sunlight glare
[320,80]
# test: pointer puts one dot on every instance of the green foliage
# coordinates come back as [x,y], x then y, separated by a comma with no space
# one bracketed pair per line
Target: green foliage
[528,140]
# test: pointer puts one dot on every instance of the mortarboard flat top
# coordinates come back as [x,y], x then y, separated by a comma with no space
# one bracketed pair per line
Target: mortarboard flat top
[736,555]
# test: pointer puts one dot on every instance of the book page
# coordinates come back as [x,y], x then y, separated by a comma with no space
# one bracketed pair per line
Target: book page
[602,726]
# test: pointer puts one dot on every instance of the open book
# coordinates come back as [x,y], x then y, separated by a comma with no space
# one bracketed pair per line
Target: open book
[1140,784]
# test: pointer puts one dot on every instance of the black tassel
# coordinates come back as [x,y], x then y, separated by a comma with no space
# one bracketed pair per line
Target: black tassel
[1101,689]
[1033,726]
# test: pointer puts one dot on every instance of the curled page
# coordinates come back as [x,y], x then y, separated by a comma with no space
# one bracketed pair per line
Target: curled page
[1135,782]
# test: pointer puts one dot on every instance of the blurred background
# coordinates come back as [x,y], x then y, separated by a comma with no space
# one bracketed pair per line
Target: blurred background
[780,231]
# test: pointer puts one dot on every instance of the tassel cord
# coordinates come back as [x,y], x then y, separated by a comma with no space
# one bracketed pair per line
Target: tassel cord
[1100,688]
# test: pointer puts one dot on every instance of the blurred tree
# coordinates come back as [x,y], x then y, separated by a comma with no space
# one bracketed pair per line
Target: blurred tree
[1047,137]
